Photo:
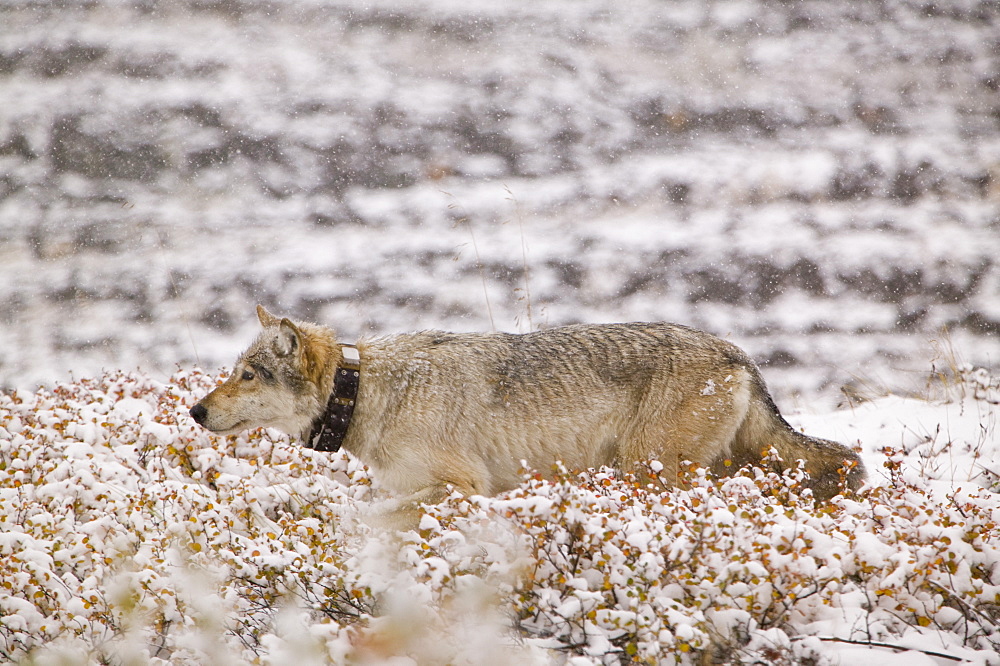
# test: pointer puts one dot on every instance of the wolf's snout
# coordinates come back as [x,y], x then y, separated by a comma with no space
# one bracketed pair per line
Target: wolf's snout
[198,413]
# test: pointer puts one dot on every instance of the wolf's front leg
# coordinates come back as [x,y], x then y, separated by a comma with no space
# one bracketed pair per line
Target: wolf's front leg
[404,513]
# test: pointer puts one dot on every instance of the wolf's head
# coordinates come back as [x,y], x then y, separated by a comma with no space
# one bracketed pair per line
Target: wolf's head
[278,382]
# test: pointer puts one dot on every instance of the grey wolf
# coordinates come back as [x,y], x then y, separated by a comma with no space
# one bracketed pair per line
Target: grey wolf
[437,409]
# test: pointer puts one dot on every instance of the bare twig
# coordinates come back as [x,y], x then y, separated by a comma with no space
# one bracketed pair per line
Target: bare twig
[877,644]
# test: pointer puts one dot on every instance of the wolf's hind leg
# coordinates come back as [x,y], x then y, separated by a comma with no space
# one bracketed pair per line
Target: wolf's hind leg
[698,428]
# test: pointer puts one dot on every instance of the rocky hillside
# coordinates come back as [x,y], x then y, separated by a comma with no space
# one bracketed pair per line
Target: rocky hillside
[818,181]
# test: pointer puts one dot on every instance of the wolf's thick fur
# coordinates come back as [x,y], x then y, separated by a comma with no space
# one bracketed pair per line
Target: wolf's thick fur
[438,409]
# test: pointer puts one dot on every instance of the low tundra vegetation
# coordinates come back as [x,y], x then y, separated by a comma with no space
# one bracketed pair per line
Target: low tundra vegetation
[130,536]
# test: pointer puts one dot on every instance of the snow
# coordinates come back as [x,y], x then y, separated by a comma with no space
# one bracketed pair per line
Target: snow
[815,181]
[128,533]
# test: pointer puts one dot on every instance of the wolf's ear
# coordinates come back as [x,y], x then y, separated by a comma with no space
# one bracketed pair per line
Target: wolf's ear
[289,340]
[265,317]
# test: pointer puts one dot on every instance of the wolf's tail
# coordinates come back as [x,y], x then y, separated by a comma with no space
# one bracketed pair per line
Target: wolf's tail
[829,464]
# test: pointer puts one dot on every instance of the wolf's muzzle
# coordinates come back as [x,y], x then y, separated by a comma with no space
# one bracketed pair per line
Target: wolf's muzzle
[199,413]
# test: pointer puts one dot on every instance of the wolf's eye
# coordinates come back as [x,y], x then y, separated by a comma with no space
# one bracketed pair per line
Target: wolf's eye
[247,375]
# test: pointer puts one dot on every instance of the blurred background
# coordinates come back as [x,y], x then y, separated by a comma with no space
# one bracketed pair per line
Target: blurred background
[817,181]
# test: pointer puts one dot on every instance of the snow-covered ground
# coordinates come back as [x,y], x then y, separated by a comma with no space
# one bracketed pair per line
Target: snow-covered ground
[130,535]
[817,181]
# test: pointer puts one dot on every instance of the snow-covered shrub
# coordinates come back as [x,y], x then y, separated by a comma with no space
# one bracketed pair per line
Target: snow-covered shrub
[618,566]
[128,535]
